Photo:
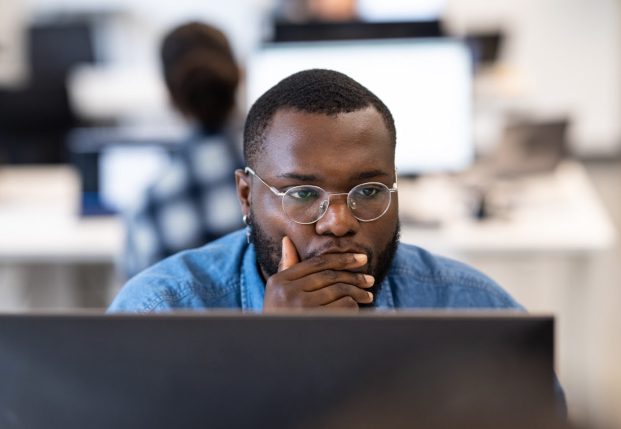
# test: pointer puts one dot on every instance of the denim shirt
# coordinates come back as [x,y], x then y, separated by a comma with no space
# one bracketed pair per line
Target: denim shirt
[224,274]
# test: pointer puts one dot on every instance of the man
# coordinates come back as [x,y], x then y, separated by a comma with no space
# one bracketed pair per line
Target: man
[319,198]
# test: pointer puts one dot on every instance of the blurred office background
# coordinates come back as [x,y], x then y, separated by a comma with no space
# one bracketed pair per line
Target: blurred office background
[516,167]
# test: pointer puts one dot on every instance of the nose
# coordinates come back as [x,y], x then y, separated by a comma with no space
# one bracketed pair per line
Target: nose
[338,220]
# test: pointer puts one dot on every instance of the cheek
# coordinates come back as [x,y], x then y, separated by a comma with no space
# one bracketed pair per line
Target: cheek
[268,213]
[390,221]
[381,232]
[302,237]
[267,210]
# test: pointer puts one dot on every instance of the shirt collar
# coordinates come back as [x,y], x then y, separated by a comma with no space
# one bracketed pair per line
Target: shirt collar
[252,285]
[384,296]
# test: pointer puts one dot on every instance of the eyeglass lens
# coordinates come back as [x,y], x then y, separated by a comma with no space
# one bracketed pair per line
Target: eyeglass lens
[307,204]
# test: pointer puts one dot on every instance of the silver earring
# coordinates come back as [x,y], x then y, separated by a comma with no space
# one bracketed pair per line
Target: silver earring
[246,221]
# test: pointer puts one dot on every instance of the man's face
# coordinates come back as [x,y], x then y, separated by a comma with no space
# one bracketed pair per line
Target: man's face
[335,153]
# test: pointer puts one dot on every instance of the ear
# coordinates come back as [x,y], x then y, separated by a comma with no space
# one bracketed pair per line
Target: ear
[243,191]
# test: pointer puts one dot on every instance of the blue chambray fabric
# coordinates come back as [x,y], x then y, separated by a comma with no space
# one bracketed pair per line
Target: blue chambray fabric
[224,274]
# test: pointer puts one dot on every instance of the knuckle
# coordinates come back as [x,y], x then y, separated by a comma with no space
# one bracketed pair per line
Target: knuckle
[349,302]
[296,301]
[330,275]
[359,294]
[348,258]
[279,296]
[349,292]
[278,292]
[341,290]
[320,261]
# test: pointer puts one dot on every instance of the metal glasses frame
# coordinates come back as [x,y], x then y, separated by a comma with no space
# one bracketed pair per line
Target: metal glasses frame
[282,196]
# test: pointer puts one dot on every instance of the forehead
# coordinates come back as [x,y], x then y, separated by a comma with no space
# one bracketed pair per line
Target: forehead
[326,145]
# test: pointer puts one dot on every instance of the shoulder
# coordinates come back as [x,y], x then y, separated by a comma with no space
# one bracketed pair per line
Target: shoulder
[200,159]
[198,278]
[443,282]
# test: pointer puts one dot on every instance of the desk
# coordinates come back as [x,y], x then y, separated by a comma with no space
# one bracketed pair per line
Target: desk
[553,213]
[49,256]
[39,219]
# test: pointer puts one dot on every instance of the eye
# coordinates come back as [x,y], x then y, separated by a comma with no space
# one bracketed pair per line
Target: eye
[302,194]
[367,191]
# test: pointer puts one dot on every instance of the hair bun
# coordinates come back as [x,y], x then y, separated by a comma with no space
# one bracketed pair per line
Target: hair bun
[201,73]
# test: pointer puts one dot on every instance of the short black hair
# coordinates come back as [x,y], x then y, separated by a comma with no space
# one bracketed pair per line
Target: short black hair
[200,72]
[320,91]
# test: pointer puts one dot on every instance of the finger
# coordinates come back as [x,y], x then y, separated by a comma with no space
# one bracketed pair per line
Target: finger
[289,255]
[325,278]
[336,292]
[328,261]
[347,302]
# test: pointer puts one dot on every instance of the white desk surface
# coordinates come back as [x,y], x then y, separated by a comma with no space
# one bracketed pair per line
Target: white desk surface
[40,222]
[559,212]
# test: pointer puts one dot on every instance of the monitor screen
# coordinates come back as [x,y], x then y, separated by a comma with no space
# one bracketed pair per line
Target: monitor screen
[126,171]
[288,370]
[116,165]
[399,10]
[426,84]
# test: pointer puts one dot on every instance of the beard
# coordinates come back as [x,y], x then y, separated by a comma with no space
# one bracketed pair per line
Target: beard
[269,252]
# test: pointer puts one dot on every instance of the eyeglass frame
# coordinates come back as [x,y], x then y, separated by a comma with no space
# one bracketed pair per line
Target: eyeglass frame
[282,196]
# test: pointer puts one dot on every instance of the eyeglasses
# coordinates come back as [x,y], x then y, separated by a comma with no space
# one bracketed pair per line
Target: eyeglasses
[307,204]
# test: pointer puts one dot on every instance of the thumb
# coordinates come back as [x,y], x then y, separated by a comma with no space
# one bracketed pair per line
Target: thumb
[289,254]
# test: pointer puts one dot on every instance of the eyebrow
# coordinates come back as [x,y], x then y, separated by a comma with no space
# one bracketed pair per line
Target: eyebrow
[298,176]
[371,174]
[313,178]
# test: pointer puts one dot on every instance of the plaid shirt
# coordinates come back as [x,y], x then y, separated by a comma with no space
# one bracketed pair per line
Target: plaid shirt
[193,202]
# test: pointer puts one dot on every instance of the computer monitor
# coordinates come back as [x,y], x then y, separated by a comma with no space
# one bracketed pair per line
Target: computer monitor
[304,370]
[426,83]
[486,47]
[35,118]
[116,166]
[354,30]
[394,10]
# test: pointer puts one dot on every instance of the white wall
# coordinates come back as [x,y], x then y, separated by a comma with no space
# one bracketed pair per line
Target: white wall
[128,36]
[568,53]
[12,61]
[139,24]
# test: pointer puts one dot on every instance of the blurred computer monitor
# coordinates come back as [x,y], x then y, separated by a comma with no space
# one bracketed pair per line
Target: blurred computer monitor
[230,370]
[57,47]
[426,83]
[486,47]
[396,10]
[530,147]
[116,166]
[354,30]
[35,117]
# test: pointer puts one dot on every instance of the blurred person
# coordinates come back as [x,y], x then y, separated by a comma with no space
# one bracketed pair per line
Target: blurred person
[333,10]
[194,201]
[316,10]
